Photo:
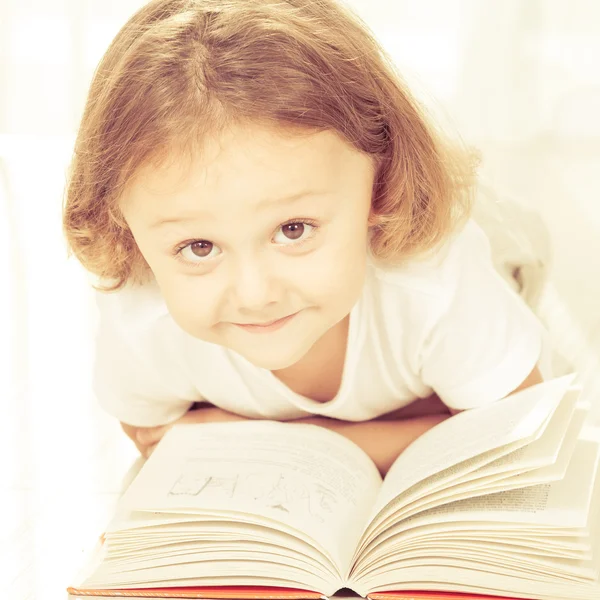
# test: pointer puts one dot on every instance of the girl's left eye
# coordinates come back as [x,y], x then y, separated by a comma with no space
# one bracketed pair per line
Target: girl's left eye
[297,231]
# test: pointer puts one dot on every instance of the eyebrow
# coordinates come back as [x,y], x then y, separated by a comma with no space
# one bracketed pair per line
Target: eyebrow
[290,199]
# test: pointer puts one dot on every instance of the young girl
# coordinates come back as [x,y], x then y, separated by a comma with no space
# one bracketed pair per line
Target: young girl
[280,233]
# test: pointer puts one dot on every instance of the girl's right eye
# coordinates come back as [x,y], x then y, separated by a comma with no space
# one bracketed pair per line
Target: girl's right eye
[198,251]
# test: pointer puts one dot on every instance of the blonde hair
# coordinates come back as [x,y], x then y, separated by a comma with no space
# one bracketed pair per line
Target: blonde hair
[182,69]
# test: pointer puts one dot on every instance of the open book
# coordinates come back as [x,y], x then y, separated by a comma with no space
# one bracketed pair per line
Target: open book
[502,500]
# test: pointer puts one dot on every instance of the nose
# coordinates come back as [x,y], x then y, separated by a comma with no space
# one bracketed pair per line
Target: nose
[255,286]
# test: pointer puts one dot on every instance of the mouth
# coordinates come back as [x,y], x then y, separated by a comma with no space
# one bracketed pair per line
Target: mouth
[267,326]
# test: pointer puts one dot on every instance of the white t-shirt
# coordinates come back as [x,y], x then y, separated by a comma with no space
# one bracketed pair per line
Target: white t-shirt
[448,324]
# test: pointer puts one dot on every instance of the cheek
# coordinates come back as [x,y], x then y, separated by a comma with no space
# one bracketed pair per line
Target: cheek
[336,273]
[191,303]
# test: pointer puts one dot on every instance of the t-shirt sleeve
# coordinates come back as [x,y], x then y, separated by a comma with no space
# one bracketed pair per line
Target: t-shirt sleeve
[483,341]
[135,379]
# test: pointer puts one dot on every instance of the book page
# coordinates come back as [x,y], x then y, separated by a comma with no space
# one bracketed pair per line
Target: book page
[559,437]
[297,478]
[131,534]
[521,416]
[451,571]
[575,545]
[557,515]
[543,461]
[557,469]
[564,503]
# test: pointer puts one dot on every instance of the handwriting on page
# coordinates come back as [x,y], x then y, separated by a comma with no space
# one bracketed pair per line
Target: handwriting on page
[302,476]
[277,490]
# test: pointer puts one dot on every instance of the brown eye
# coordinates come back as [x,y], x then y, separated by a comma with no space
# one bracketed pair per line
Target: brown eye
[201,249]
[293,231]
[298,231]
[194,252]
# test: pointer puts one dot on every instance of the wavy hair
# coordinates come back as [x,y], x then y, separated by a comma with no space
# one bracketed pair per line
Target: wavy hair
[180,70]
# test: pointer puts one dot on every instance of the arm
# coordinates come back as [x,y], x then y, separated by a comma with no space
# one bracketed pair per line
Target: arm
[533,378]
[383,439]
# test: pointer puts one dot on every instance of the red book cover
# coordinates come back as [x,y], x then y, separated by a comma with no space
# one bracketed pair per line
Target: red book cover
[263,593]
[402,595]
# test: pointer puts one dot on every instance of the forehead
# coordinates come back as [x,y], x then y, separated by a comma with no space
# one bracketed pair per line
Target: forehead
[239,150]
[248,164]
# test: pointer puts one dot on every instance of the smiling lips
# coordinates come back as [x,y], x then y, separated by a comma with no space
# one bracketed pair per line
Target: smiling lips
[266,327]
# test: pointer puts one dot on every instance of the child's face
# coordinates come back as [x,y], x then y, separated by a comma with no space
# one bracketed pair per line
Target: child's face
[257,227]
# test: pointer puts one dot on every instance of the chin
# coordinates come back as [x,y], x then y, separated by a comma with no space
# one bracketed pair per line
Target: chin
[274,361]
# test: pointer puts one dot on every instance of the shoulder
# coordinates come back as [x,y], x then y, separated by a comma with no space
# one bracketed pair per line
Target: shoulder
[137,317]
[140,373]
[139,343]
[133,304]
[409,301]
[434,278]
